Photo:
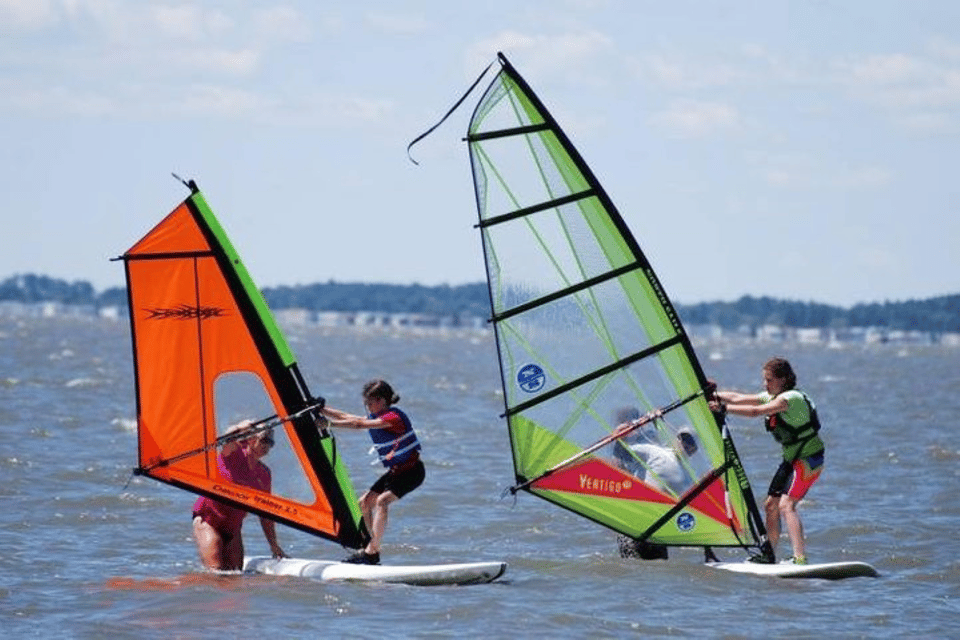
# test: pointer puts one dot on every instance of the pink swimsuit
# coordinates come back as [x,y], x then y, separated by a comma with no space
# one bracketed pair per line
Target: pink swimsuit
[234,468]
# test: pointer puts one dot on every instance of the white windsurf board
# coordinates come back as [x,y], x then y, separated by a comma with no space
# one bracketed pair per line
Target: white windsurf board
[825,571]
[421,575]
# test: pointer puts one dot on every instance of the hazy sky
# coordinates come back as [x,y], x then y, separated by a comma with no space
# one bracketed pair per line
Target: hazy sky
[805,150]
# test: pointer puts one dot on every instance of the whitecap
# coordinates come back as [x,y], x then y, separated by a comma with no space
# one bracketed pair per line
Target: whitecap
[82,382]
[126,424]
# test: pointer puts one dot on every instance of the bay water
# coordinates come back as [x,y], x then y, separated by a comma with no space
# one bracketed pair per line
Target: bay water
[87,551]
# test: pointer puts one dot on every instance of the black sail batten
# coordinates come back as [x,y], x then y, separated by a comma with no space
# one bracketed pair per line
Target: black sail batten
[537,208]
[168,255]
[292,391]
[562,293]
[506,133]
[593,375]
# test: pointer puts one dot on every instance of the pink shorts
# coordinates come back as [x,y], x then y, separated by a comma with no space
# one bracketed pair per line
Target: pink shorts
[804,475]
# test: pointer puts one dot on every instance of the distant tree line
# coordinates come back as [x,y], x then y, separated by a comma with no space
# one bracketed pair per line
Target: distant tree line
[933,314]
[442,300]
[938,314]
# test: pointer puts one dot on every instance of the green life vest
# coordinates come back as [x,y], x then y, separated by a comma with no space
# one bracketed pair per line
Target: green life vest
[794,437]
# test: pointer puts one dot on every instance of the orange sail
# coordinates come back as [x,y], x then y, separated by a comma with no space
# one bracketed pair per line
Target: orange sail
[207,353]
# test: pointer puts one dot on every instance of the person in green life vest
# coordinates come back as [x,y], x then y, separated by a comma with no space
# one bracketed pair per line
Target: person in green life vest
[791,417]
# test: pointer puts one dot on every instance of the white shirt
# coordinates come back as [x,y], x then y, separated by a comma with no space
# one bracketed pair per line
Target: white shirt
[661,468]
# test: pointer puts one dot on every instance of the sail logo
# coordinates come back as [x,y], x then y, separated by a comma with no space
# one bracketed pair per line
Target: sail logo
[603,485]
[230,492]
[686,521]
[185,312]
[531,378]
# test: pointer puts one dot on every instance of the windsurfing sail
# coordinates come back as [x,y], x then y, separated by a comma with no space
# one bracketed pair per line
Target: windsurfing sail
[208,352]
[588,340]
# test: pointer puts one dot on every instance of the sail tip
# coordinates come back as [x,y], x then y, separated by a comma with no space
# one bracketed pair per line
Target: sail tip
[189,184]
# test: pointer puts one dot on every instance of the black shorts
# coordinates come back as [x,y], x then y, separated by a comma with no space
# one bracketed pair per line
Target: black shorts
[400,483]
[781,480]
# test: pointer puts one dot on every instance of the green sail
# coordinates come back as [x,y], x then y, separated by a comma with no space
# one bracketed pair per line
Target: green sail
[584,329]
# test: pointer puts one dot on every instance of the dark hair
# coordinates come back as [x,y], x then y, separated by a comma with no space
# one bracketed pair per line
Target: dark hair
[781,369]
[380,389]
[626,414]
[687,440]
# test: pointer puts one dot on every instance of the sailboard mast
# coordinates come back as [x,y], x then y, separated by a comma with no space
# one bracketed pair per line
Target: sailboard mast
[583,328]
[198,322]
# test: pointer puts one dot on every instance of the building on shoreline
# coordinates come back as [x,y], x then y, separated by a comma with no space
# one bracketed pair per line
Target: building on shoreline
[377,319]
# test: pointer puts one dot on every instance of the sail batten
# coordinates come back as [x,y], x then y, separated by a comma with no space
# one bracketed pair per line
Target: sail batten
[504,133]
[572,289]
[171,254]
[585,335]
[536,208]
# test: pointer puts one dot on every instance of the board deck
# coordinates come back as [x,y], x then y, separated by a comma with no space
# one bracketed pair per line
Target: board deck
[420,575]
[825,571]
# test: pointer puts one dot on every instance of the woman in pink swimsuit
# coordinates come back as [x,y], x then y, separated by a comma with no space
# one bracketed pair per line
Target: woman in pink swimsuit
[217,526]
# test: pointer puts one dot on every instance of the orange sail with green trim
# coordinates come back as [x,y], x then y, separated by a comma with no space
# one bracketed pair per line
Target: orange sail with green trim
[207,354]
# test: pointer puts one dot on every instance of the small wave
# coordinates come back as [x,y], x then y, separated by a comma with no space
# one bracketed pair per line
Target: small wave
[127,424]
[445,384]
[128,497]
[82,382]
[939,452]
[15,462]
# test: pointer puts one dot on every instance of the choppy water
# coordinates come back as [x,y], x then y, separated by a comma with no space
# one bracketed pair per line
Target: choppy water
[81,556]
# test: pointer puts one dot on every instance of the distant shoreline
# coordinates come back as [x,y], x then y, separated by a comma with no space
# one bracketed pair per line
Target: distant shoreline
[462,304]
[700,334]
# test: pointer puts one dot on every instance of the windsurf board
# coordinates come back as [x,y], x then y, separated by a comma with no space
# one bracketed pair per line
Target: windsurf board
[420,575]
[826,570]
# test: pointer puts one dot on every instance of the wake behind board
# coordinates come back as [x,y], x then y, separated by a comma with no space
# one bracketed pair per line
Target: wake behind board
[419,575]
[824,571]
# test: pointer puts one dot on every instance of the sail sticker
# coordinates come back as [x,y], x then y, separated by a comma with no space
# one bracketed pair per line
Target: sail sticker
[185,312]
[686,521]
[531,378]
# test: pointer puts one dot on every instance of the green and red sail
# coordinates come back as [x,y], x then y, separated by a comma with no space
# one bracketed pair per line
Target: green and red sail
[584,328]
